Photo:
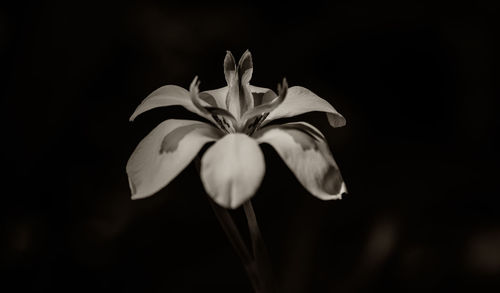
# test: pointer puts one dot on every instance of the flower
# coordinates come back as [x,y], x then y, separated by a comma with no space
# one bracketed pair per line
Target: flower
[233,167]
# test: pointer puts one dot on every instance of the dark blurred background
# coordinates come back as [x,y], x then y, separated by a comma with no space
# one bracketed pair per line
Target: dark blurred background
[416,81]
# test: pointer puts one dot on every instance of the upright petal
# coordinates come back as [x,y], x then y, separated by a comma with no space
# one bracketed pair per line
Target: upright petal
[232,97]
[239,96]
[300,100]
[168,95]
[164,153]
[232,169]
[229,67]
[245,71]
[306,153]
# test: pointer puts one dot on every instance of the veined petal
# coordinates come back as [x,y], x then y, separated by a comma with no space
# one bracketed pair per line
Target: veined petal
[165,152]
[306,153]
[300,100]
[232,169]
[168,95]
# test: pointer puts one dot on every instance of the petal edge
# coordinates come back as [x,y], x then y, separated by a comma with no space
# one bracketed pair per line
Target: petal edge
[155,162]
[300,100]
[308,157]
[167,95]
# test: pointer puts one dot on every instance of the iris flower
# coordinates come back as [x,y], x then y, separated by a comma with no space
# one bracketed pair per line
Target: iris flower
[237,119]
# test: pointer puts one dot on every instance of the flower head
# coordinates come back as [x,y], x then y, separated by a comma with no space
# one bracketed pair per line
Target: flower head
[233,167]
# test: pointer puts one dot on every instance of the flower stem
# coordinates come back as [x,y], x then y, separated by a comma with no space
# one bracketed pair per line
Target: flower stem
[238,244]
[257,266]
[260,253]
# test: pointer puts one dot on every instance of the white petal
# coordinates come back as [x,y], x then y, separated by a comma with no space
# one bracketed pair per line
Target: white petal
[268,106]
[232,169]
[168,95]
[300,100]
[306,153]
[219,96]
[164,153]
[258,89]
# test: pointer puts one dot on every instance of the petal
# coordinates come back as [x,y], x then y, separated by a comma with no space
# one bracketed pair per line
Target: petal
[267,107]
[164,153]
[261,95]
[229,67]
[205,107]
[239,98]
[258,89]
[245,67]
[245,70]
[232,169]
[219,95]
[169,95]
[232,99]
[300,100]
[306,153]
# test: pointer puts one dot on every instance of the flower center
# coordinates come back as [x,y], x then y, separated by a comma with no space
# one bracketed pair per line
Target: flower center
[223,124]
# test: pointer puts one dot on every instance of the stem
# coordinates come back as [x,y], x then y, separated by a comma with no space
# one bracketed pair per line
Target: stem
[238,244]
[258,268]
[259,248]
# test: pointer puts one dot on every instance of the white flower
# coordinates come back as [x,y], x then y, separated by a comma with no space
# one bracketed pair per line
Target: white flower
[233,167]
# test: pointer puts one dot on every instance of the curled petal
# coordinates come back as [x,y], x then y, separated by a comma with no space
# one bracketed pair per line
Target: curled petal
[306,153]
[232,169]
[203,106]
[267,107]
[164,153]
[169,95]
[300,100]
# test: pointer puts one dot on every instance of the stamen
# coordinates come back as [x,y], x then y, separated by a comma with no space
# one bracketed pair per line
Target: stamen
[223,124]
[255,124]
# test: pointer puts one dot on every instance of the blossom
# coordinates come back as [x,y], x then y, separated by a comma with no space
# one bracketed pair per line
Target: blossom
[237,119]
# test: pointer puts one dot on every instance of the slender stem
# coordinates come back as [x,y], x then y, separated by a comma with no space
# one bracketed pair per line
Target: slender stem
[238,244]
[259,248]
[257,267]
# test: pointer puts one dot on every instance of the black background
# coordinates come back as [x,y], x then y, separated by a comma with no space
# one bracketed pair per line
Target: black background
[416,81]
